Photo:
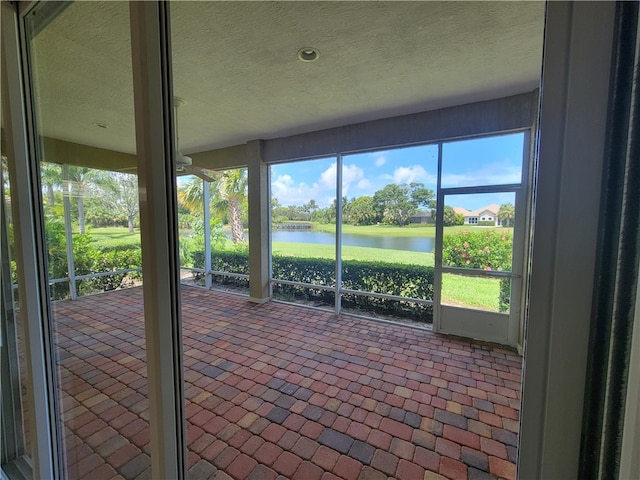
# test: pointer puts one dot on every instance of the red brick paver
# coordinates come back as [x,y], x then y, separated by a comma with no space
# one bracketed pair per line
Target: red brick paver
[279,389]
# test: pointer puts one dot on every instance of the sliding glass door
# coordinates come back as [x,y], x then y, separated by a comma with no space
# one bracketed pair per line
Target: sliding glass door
[80,59]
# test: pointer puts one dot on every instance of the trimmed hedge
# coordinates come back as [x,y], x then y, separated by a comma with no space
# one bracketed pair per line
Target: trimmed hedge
[379,277]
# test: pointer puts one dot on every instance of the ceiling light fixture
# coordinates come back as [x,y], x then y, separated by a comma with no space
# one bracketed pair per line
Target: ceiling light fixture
[308,54]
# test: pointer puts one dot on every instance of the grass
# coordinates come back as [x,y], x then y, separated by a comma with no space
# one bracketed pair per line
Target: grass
[413,230]
[474,292]
[113,236]
[304,250]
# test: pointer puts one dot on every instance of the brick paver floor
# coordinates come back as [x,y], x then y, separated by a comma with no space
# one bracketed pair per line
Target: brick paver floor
[281,391]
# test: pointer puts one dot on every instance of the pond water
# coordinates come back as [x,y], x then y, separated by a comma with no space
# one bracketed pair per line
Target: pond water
[411,244]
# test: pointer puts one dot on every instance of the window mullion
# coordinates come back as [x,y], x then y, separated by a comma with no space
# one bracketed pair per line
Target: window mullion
[153,98]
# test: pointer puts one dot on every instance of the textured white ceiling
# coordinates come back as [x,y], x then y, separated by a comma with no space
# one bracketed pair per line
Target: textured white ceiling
[235,65]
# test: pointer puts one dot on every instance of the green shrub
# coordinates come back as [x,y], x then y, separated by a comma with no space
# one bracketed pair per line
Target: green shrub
[481,249]
[505,295]
[88,259]
[391,279]
[108,261]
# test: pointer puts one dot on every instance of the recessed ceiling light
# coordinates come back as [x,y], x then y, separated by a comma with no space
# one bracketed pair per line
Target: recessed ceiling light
[100,124]
[308,54]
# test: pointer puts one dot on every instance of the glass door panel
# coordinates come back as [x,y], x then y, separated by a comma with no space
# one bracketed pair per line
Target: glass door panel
[480,238]
[15,448]
[83,97]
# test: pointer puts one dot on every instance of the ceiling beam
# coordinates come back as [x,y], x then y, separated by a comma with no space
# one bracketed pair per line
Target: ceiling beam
[474,119]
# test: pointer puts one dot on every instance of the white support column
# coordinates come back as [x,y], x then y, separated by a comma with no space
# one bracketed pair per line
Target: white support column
[206,208]
[159,231]
[30,254]
[259,224]
[437,258]
[338,302]
[66,205]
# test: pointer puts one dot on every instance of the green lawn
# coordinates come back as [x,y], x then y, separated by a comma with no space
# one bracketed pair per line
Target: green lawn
[475,292]
[113,236]
[413,230]
[366,254]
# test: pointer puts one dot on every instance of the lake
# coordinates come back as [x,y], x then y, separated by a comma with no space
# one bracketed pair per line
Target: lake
[411,244]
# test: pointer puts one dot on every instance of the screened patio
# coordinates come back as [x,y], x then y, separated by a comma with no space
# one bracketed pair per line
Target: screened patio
[279,389]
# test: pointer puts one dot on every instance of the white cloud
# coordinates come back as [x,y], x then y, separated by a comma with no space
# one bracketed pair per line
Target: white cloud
[364,184]
[284,188]
[288,193]
[328,177]
[493,174]
[415,173]
[380,161]
[350,174]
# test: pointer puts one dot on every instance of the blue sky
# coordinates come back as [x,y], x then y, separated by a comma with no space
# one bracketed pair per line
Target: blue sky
[487,161]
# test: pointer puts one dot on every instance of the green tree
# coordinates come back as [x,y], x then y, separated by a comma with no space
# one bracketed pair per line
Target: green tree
[81,180]
[362,211]
[506,214]
[51,178]
[394,204]
[421,196]
[312,206]
[123,199]
[449,218]
[228,197]
[191,196]
[231,194]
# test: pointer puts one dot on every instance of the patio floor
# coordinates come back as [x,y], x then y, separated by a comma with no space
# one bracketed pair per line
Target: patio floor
[282,391]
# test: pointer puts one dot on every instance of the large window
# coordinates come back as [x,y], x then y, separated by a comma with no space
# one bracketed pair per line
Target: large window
[381,224]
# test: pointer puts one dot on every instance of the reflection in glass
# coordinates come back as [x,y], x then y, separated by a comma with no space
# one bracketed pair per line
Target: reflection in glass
[83,97]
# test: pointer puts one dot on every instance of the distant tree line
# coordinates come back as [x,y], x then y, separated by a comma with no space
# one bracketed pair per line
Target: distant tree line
[394,204]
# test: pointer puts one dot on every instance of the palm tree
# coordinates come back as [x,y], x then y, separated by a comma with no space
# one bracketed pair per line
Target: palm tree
[231,194]
[228,196]
[122,196]
[191,195]
[81,179]
[506,214]
[50,177]
[311,207]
